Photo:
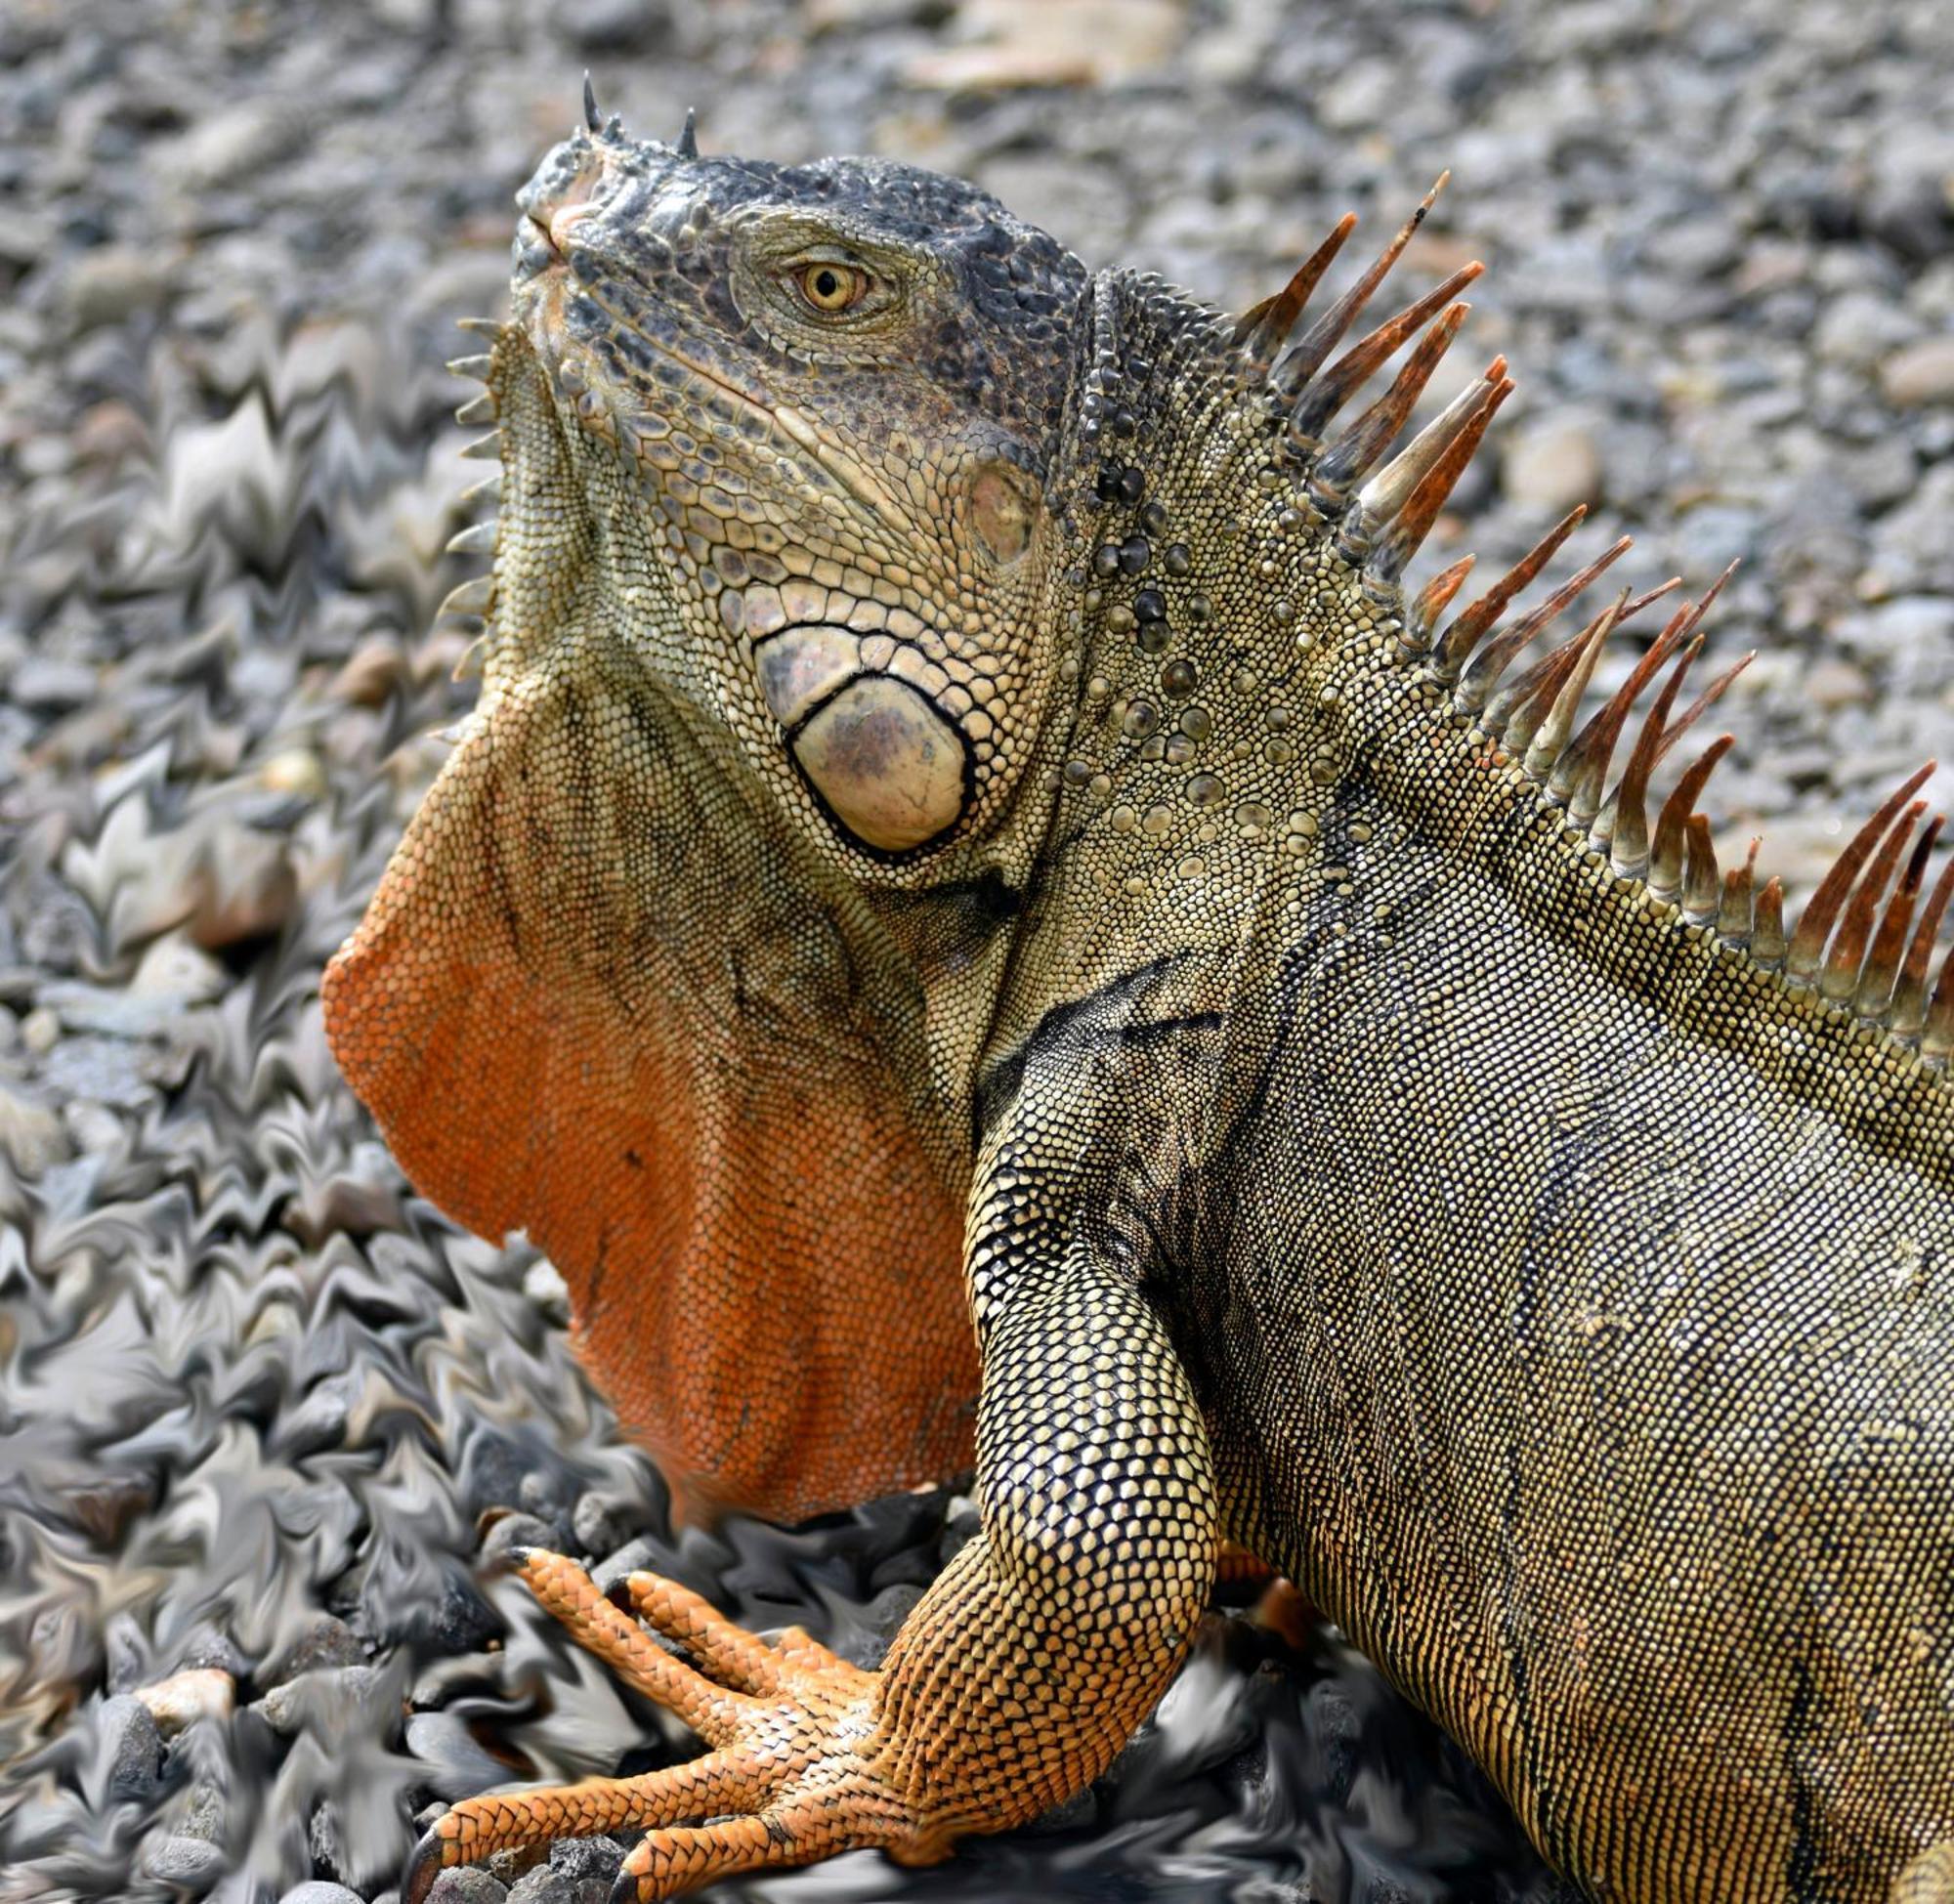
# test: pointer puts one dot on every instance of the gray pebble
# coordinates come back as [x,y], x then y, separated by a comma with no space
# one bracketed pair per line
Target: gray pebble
[132,1748]
[465,1884]
[587,1858]
[192,1862]
[318,1890]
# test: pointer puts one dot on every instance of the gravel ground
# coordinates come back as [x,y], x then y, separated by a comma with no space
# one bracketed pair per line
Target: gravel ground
[264,1414]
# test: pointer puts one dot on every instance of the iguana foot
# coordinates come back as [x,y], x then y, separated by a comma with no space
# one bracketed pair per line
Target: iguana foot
[790,1776]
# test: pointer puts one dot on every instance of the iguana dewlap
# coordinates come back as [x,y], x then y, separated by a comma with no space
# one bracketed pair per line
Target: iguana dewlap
[957,777]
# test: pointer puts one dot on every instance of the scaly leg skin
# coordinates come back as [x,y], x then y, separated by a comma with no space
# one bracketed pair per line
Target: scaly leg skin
[1013,1685]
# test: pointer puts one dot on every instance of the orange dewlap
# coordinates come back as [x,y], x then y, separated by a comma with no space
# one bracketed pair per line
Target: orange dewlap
[563,1009]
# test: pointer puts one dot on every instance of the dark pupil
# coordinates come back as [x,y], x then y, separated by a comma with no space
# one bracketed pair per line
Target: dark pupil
[825,285]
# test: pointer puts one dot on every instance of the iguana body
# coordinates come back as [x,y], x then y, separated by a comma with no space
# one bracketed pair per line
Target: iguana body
[957,775]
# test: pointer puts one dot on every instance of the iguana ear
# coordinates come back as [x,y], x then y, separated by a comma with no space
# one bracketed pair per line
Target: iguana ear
[594,999]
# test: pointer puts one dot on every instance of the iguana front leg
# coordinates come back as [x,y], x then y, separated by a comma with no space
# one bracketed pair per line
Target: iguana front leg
[1018,1676]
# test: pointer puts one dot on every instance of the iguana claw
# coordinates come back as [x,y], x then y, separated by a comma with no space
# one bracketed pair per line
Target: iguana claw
[789,1777]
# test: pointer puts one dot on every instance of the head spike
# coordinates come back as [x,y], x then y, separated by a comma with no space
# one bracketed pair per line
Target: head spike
[1734,912]
[1306,358]
[592,118]
[1263,328]
[1909,1006]
[1388,560]
[1839,978]
[688,135]
[1821,911]
[1477,678]
[1349,459]
[489,328]
[1702,884]
[1326,395]
[1665,871]
[1875,996]
[1387,492]
[1471,623]
[1622,824]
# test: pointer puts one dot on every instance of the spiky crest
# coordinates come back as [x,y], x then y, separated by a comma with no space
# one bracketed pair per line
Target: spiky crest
[1864,941]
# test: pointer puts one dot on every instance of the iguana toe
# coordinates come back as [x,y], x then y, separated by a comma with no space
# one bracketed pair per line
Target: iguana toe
[791,1777]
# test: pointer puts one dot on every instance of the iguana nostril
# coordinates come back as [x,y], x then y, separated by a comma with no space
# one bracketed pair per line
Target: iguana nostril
[889,765]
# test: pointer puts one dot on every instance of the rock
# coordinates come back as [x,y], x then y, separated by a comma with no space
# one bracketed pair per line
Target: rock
[112,283]
[1011,43]
[634,1556]
[542,1885]
[584,1859]
[204,1692]
[326,1698]
[465,1885]
[1832,685]
[326,1641]
[192,1862]
[1920,373]
[613,26]
[544,1284]
[324,1840]
[456,1766]
[317,1891]
[370,673]
[132,1748]
[177,972]
[595,1524]
[32,1135]
[47,686]
[232,144]
[1551,467]
[511,1531]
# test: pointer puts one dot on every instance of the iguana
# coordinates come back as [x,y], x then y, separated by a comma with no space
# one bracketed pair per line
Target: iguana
[959,780]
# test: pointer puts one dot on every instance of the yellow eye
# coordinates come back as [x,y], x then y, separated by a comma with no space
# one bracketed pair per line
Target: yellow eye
[830,287]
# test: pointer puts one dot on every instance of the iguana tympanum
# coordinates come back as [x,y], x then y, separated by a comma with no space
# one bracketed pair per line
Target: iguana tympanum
[958,781]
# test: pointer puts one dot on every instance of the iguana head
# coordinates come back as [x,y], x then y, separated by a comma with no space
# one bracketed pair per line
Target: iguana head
[809,418]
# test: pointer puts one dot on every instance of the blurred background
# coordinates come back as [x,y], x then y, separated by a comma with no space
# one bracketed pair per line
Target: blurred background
[262,1410]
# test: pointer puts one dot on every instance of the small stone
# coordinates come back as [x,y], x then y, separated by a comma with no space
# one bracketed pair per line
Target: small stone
[194,1862]
[203,1692]
[512,1531]
[372,671]
[613,26]
[1835,684]
[595,1523]
[317,1891]
[32,1135]
[329,1696]
[326,1641]
[1920,373]
[637,1556]
[542,1885]
[132,1748]
[114,282]
[585,1859]
[465,1885]
[1552,466]
[544,1284]
[43,685]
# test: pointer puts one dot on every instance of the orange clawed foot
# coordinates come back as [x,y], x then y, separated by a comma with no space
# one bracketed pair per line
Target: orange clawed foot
[790,1776]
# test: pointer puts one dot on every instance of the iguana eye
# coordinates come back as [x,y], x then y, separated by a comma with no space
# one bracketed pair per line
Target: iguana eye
[830,288]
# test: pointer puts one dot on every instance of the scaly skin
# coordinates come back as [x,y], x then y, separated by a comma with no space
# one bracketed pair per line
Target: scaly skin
[955,772]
